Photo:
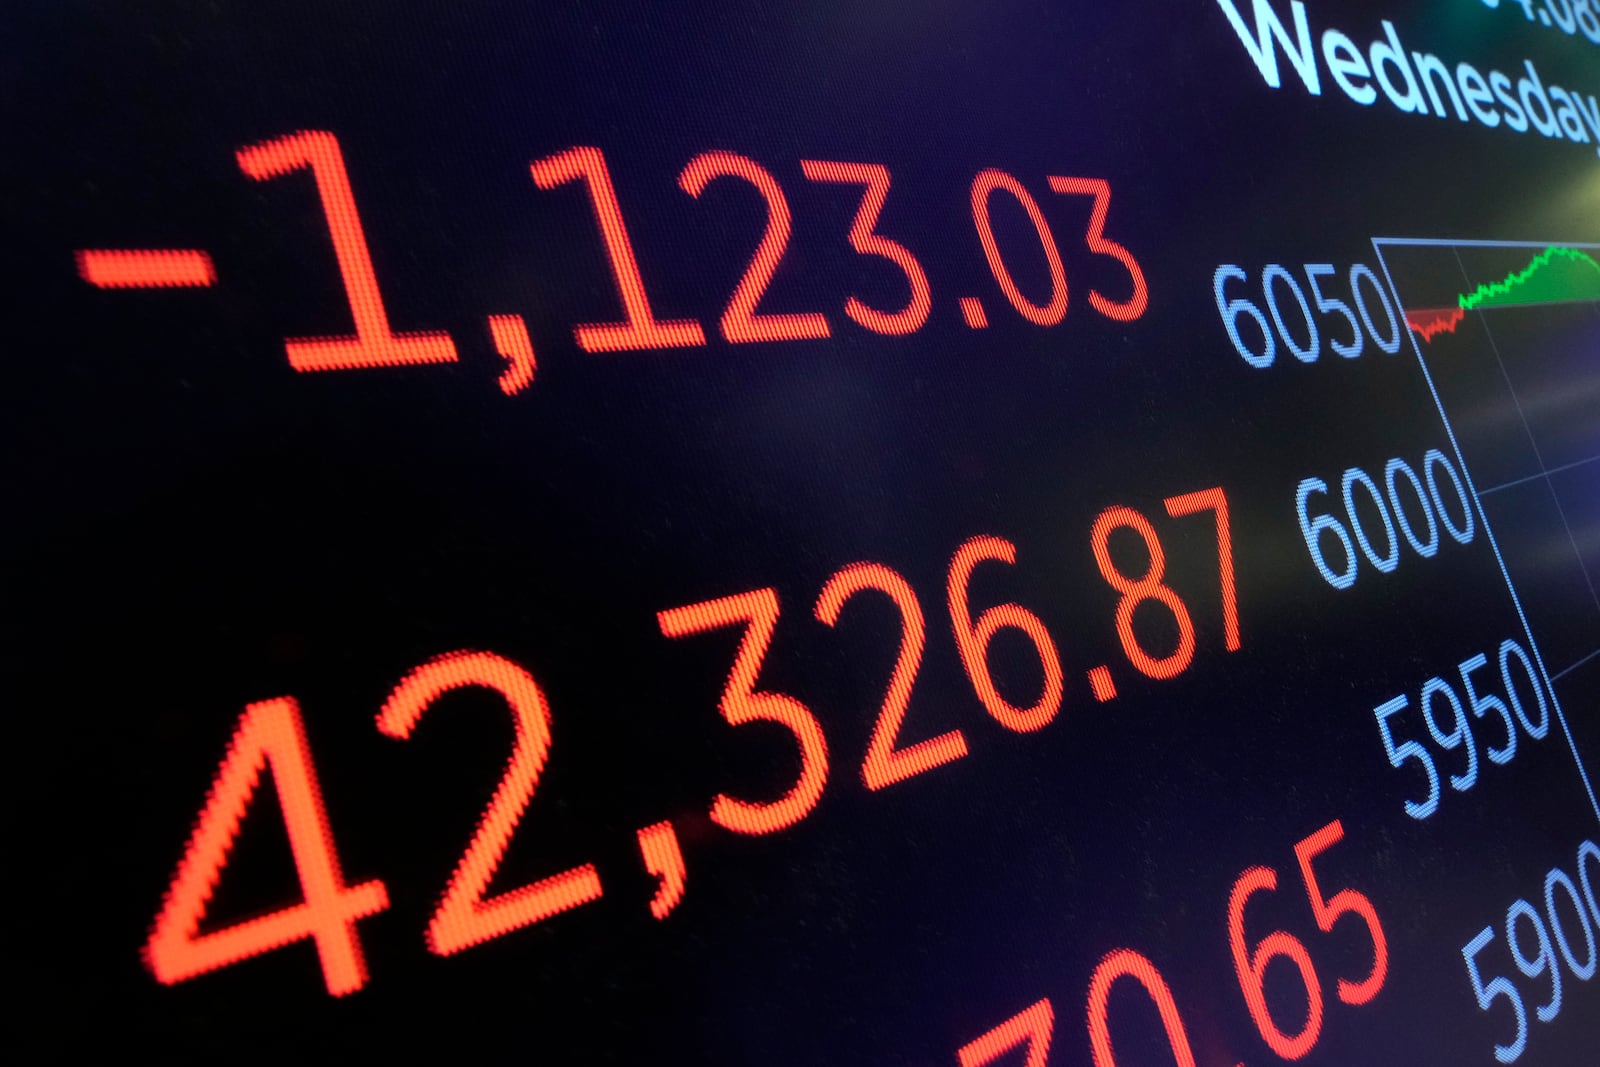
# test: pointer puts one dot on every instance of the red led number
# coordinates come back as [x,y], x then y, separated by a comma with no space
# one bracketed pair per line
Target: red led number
[1125,963]
[642,329]
[1095,238]
[1344,902]
[756,613]
[1251,964]
[464,918]
[875,177]
[374,343]
[885,764]
[1030,1029]
[1215,501]
[1251,967]
[972,639]
[740,322]
[1136,591]
[984,186]
[269,734]
[1151,585]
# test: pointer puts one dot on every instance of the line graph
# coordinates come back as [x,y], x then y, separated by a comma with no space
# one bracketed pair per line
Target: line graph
[1518,389]
[1557,275]
[1430,322]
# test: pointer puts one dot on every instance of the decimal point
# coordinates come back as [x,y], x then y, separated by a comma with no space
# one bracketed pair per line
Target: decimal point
[972,311]
[1100,680]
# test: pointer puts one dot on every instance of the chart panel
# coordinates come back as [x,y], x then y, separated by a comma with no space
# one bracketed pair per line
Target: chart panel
[1511,352]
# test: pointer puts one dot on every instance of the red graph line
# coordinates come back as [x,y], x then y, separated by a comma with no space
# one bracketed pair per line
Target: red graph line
[1429,322]
[146,268]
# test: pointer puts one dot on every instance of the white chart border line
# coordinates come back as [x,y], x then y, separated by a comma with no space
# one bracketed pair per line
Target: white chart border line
[1378,244]
[1445,242]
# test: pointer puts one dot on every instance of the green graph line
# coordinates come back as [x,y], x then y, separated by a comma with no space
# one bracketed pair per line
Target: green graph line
[1556,274]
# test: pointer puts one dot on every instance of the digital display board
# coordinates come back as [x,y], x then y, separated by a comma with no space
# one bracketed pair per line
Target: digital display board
[969,533]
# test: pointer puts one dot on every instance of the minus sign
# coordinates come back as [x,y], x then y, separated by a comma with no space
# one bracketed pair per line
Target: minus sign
[152,268]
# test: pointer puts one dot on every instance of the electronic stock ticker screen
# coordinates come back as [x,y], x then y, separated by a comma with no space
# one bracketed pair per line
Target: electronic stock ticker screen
[1005,533]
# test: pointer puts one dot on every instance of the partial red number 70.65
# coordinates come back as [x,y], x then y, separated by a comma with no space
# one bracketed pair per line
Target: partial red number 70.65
[1031,1029]
[1251,963]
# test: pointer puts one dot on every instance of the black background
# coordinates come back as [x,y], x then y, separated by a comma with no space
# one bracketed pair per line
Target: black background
[194,526]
